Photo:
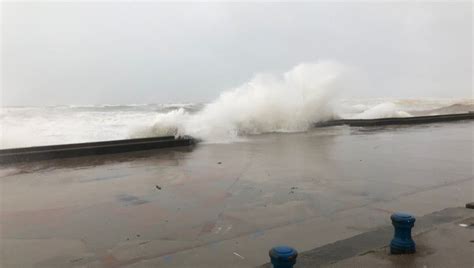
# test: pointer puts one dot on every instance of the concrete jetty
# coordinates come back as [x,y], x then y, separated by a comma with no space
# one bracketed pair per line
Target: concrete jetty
[428,119]
[90,148]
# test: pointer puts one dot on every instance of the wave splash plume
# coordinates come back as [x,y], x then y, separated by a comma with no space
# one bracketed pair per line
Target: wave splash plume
[289,102]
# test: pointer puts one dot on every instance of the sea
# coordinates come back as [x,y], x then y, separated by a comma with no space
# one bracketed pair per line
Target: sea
[227,119]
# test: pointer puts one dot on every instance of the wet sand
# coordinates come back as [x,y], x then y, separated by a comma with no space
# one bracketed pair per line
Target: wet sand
[216,205]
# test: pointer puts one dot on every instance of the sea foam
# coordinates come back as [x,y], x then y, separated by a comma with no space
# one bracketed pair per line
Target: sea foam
[287,102]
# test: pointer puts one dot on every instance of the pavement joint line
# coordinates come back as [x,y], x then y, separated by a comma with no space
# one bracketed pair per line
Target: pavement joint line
[369,241]
[279,226]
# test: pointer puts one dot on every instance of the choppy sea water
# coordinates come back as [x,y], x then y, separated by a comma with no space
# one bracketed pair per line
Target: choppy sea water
[33,126]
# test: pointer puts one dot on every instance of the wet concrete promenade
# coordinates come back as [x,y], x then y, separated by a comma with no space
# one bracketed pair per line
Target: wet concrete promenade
[446,244]
[225,205]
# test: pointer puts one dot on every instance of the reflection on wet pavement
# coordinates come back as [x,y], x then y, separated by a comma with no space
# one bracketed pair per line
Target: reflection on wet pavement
[198,206]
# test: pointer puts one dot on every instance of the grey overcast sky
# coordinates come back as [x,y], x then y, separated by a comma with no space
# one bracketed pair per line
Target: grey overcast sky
[118,53]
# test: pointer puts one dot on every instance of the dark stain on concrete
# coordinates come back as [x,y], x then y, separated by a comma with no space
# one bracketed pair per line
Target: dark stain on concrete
[131,200]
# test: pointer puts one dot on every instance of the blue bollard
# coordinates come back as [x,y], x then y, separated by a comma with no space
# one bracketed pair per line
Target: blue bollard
[283,257]
[402,243]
